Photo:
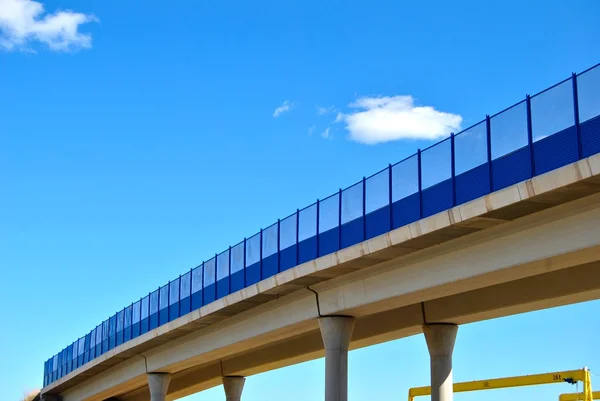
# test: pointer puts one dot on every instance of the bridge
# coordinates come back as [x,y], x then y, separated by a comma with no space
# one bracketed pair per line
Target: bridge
[501,218]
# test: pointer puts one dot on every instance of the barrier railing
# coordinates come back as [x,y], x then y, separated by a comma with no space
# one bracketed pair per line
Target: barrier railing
[540,133]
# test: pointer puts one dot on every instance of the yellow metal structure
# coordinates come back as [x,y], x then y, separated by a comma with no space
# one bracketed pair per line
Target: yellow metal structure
[577,396]
[569,376]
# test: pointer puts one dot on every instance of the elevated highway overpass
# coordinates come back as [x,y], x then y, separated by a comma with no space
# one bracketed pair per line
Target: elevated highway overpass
[527,244]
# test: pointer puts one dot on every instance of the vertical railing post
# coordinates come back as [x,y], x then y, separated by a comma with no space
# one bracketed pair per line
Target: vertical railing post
[228,275]
[453,168]
[244,265]
[576,112]
[297,237]
[340,219]
[420,183]
[488,132]
[278,246]
[530,134]
[390,199]
[364,207]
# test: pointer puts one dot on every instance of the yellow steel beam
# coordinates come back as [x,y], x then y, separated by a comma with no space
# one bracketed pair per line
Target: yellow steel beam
[569,376]
[577,396]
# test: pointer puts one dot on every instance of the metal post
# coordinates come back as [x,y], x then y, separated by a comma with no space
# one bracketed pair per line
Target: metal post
[229,274]
[317,233]
[340,219]
[419,178]
[260,266]
[278,246]
[576,112]
[390,201]
[488,131]
[453,168]
[244,267]
[530,134]
[297,237]
[364,207]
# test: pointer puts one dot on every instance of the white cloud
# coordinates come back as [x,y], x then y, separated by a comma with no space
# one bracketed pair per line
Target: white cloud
[389,118]
[284,108]
[325,110]
[311,129]
[23,21]
[325,134]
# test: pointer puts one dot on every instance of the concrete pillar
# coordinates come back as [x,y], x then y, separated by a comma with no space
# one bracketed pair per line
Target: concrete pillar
[159,384]
[440,342]
[336,332]
[233,386]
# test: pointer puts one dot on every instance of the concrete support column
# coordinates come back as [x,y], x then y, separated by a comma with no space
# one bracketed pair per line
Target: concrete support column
[159,384]
[440,339]
[233,386]
[336,332]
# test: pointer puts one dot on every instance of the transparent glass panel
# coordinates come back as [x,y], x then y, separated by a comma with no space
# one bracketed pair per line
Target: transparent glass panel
[99,335]
[54,362]
[81,346]
[352,202]
[174,291]
[112,325]
[405,178]
[146,307]
[307,226]
[223,265]
[120,316]
[237,258]
[329,213]
[588,94]
[509,130]
[269,241]
[196,279]
[75,351]
[253,250]
[163,297]
[470,148]
[436,164]
[210,268]
[288,232]
[154,302]
[127,317]
[378,191]
[186,285]
[93,339]
[105,327]
[136,312]
[552,111]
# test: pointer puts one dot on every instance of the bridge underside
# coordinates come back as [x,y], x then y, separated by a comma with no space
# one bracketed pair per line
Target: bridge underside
[531,246]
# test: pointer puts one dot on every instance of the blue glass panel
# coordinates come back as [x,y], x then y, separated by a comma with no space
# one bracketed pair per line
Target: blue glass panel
[352,215]
[253,259]
[307,234]
[209,287]
[127,324]
[99,340]
[473,183]
[112,327]
[588,94]
[120,326]
[377,205]
[136,317]
[405,192]
[270,260]
[105,336]
[237,267]
[552,111]
[174,299]
[153,318]
[509,130]
[590,137]
[287,243]
[511,168]
[185,305]
[197,299]
[329,222]
[223,274]
[436,164]
[163,305]
[556,150]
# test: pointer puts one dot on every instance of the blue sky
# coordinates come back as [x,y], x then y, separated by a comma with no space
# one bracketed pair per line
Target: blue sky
[139,138]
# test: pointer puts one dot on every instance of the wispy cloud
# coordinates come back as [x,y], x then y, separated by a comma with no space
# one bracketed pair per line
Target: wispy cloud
[311,129]
[284,108]
[325,110]
[326,134]
[25,21]
[388,118]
